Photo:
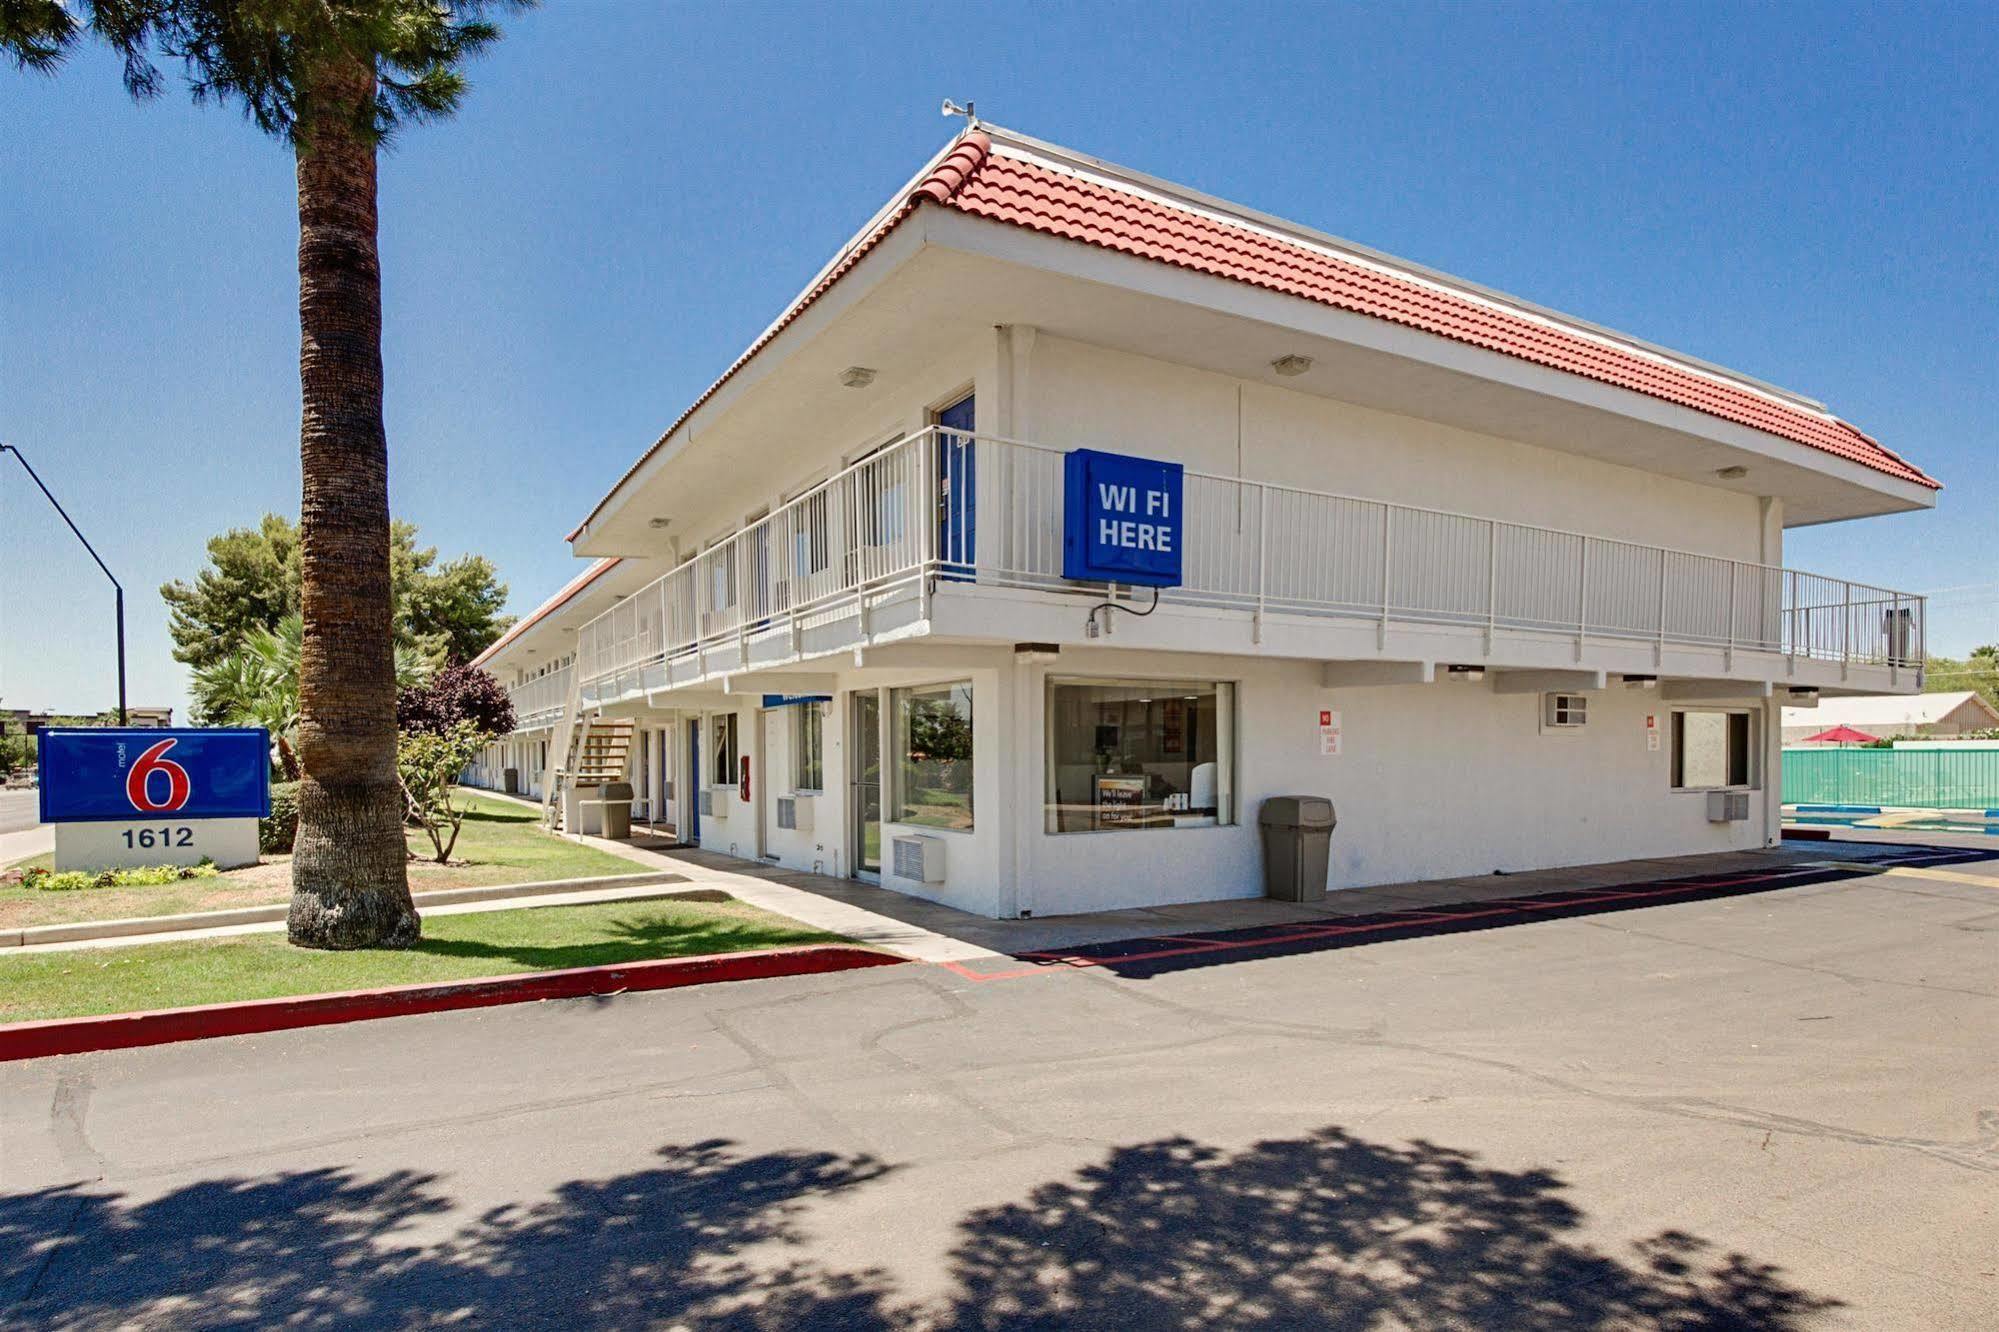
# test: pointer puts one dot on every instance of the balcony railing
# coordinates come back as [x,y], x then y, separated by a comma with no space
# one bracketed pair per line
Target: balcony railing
[539,702]
[945,508]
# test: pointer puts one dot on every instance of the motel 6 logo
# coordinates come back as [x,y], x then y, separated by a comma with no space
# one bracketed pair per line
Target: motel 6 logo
[154,774]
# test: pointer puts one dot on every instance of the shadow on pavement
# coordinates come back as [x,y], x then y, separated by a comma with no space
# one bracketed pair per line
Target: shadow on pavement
[1323,1231]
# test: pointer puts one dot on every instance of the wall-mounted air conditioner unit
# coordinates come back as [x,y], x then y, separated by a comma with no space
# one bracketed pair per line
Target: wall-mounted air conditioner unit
[919,859]
[794,813]
[1727,806]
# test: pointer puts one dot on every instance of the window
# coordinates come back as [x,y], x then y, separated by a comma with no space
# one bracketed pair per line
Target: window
[1560,711]
[932,740]
[722,745]
[1710,749]
[1144,754]
[808,749]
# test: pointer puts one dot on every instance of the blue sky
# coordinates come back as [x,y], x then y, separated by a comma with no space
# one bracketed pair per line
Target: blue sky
[633,190]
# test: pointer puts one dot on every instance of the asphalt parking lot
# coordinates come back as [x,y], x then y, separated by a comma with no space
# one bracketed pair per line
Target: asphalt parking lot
[1771,1107]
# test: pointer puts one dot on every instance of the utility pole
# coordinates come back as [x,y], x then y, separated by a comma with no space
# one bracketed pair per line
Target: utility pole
[116,587]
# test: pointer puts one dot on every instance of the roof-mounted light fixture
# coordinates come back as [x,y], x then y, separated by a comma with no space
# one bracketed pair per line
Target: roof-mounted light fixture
[1291,366]
[969,111]
[857,376]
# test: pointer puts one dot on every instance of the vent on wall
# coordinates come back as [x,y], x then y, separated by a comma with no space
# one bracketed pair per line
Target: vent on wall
[708,802]
[919,859]
[794,814]
[1727,806]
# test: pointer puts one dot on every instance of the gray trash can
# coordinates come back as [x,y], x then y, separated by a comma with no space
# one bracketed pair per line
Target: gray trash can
[510,781]
[617,798]
[1297,847]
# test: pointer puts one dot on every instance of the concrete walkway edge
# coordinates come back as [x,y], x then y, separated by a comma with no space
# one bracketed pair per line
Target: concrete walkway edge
[82,930]
[123,1031]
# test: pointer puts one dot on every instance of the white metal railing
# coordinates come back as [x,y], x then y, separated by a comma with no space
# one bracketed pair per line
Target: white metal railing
[945,507]
[539,702]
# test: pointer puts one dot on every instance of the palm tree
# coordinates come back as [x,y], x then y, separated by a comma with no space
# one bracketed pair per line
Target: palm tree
[258,685]
[333,79]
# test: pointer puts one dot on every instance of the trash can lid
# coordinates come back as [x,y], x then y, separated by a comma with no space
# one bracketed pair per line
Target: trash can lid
[1294,811]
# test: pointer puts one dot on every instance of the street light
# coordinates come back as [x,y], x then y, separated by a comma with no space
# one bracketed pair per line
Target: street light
[116,586]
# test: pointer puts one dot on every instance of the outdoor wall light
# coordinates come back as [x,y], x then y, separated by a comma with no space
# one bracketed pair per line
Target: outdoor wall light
[857,376]
[1731,473]
[1472,673]
[1291,366]
[1804,695]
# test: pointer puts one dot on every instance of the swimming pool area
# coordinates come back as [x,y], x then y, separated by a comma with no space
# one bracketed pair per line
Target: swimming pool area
[1975,821]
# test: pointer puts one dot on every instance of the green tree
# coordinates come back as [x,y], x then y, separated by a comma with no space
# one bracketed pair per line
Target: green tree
[332,79]
[1979,671]
[448,611]
[428,764]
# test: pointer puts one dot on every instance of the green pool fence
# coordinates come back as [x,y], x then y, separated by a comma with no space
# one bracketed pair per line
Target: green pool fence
[1924,778]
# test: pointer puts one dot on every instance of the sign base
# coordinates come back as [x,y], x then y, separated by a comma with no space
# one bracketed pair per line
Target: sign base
[230,843]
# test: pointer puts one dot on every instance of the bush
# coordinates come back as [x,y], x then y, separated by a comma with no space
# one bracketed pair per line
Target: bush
[428,766]
[455,694]
[276,834]
[149,876]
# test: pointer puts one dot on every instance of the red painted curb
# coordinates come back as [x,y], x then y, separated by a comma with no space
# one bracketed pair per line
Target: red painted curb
[123,1031]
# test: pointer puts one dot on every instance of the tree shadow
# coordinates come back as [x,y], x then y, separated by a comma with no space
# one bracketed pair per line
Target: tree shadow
[1322,1231]
[635,941]
[1331,1231]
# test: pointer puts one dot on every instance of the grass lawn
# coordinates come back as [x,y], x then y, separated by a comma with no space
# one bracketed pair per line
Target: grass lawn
[455,947]
[502,842]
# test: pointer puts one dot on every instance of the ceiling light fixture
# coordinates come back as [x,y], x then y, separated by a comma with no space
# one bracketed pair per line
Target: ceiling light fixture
[1731,473]
[857,376]
[659,524]
[1291,366]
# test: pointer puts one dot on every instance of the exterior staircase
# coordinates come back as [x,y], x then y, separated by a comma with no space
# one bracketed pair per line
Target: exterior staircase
[600,751]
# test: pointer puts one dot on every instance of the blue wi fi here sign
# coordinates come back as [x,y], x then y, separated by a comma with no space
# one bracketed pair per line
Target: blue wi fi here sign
[1122,519]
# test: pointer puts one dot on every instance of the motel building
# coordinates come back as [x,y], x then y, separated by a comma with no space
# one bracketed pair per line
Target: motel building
[1068,514]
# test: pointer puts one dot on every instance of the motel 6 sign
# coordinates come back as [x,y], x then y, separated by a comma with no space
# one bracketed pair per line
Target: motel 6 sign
[1122,519]
[154,797]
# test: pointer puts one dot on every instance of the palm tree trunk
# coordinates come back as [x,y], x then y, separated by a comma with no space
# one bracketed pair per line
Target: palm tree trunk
[350,886]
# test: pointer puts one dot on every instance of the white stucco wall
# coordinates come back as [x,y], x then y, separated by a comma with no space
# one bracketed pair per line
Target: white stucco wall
[1437,781]
[1089,396]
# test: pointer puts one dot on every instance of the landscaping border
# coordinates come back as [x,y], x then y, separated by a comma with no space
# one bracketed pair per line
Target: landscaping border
[124,1031]
[79,930]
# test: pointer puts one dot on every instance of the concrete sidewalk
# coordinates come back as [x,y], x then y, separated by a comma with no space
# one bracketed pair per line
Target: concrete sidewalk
[930,932]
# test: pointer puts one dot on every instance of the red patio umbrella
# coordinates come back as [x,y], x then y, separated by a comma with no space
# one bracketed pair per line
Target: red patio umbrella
[1841,735]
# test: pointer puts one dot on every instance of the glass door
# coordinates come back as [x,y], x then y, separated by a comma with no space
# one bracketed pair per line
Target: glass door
[865,745]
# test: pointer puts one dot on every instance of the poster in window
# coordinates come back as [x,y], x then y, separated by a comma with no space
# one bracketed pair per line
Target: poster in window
[1120,801]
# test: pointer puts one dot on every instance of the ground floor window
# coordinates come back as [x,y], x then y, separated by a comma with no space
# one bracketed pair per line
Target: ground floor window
[1140,754]
[722,747]
[931,731]
[808,750]
[1710,749]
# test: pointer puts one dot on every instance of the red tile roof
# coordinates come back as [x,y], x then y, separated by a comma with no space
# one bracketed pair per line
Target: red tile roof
[1028,194]
[974,179]
[554,603]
